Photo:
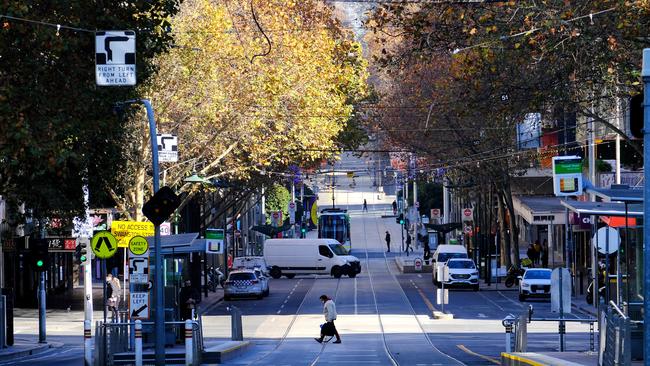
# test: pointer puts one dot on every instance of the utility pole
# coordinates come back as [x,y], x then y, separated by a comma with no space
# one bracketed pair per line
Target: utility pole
[645,74]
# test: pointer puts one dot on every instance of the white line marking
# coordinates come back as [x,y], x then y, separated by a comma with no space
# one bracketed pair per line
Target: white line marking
[419,275]
[481,315]
[278,311]
[490,300]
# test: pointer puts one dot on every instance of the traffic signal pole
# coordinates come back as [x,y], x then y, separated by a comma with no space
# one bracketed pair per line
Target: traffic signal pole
[645,74]
[41,308]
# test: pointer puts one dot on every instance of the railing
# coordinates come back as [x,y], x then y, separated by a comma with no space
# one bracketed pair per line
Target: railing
[115,338]
[516,330]
[615,337]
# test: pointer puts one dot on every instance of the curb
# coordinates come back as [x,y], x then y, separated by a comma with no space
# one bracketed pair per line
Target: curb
[532,359]
[213,305]
[29,352]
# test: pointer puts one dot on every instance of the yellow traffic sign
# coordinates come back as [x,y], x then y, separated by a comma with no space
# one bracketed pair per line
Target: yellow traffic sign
[104,244]
[138,245]
[125,230]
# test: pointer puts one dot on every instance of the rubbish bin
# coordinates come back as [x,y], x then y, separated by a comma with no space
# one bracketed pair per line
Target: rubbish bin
[9,296]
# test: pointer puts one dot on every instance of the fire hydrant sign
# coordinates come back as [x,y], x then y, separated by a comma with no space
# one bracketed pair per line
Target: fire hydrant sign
[115,58]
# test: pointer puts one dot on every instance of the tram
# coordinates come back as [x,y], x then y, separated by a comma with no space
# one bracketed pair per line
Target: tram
[334,223]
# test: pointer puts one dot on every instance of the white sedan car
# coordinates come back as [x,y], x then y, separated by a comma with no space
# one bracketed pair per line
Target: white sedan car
[462,272]
[536,282]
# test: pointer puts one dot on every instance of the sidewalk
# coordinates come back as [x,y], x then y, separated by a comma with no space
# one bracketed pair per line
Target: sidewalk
[23,347]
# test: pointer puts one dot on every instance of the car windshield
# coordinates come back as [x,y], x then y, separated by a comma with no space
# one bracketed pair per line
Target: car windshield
[538,275]
[338,249]
[242,276]
[443,257]
[461,264]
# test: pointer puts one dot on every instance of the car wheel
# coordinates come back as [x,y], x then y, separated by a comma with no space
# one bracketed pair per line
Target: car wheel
[276,273]
[337,272]
[522,297]
[352,274]
[290,275]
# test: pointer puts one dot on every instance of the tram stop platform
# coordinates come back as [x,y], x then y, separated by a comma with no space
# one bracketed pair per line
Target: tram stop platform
[407,264]
[552,359]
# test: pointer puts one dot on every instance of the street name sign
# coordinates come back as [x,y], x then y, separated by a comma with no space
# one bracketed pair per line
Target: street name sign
[125,230]
[115,58]
[567,176]
[104,245]
[167,148]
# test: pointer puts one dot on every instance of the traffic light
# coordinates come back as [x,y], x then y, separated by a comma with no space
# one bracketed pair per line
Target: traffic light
[636,116]
[38,253]
[81,252]
[161,205]
[400,219]
[303,230]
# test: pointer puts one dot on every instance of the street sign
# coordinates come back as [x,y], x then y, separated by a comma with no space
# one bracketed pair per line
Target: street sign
[125,230]
[165,228]
[292,213]
[417,264]
[607,239]
[442,296]
[276,218]
[115,58]
[435,213]
[561,281]
[467,229]
[139,305]
[138,245]
[167,148]
[104,245]
[139,270]
[214,241]
[468,214]
[567,175]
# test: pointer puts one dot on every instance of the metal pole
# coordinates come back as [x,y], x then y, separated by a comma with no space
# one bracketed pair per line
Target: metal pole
[103,270]
[158,271]
[561,325]
[41,309]
[627,261]
[645,73]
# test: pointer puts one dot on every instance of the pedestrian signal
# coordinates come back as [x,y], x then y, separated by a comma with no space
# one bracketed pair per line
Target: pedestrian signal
[39,254]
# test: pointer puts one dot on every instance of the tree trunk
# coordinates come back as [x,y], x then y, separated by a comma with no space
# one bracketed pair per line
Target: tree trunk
[514,229]
[505,239]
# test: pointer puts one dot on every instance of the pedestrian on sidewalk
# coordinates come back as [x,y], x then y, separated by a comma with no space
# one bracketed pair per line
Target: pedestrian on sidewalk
[329,311]
[394,207]
[538,252]
[187,300]
[545,254]
[531,253]
[113,296]
[365,205]
[388,241]
[408,242]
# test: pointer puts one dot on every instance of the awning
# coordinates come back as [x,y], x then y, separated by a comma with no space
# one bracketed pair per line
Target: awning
[179,244]
[620,193]
[604,208]
[618,221]
[538,210]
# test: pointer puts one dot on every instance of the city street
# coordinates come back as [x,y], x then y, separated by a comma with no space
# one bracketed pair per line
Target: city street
[384,317]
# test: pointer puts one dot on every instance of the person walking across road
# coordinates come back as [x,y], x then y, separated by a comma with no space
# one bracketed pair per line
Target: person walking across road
[113,289]
[365,205]
[408,242]
[388,241]
[394,207]
[329,311]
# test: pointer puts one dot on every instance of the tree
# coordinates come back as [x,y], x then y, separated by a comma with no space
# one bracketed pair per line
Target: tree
[57,130]
[244,106]
[277,199]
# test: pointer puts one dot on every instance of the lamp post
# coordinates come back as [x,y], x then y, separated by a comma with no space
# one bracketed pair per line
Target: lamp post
[645,74]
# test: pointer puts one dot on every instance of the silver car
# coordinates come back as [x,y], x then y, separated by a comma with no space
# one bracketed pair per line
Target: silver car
[243,283]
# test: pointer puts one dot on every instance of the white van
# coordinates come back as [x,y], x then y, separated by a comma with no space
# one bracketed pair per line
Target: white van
[443,253]
[290,257]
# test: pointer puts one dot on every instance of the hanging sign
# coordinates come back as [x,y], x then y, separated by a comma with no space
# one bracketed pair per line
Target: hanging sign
[115,58]
[567,176]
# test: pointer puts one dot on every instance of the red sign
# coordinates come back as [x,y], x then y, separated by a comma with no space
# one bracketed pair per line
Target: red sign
[70,244]
[467,212]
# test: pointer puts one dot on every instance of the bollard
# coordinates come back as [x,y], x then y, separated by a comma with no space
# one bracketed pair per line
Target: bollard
[88,344]
[237,333]
[508,325]
[189,357]
[138,343]
[561,332]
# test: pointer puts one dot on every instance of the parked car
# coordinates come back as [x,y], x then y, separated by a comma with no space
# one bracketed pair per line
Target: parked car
[536,282]
[444,253]
[264,280]
[289,257]
[243,283]
[251,262]
[462,272]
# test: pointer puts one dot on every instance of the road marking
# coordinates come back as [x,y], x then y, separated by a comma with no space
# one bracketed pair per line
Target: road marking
[419,275]
[511,300]
[355,296]
[481,315]
[285,301]
[278,312]
[490,300]
[486,358]
[424,297]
